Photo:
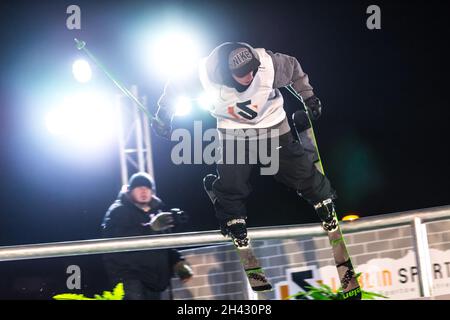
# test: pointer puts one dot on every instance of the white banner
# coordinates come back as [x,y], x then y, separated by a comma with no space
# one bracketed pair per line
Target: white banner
[397,279]
[440,266]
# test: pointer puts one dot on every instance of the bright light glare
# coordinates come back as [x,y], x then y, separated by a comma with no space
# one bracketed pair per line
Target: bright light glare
[85,119]
[206,101]
[183,107]
[174,53]
[82,70]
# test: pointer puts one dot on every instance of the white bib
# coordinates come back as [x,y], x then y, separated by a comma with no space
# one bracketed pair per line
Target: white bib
[260,106]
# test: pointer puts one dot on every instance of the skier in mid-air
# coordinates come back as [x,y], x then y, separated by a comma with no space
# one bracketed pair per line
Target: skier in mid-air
[244,83]
[247,82]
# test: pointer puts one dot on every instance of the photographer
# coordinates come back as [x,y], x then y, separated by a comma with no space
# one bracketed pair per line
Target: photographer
[137,212]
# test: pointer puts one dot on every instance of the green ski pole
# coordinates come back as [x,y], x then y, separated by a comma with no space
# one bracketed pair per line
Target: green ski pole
[81,45]
[344,265]
[299,97]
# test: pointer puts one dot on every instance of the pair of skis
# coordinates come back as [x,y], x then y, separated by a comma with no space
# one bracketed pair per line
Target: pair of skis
[255,273]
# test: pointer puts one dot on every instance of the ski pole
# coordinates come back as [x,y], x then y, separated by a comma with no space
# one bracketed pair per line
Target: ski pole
[336,238]
[299,97]
[81,45]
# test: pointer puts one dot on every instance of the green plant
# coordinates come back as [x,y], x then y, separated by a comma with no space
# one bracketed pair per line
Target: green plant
[117,294]
[324,292]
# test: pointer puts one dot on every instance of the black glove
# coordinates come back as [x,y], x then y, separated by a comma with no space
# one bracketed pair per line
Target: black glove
[314,107]
[162,221]
[162,124]
[301,121]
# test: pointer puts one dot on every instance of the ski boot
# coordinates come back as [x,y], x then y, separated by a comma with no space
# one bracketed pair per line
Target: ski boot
[236,229]
[326,212]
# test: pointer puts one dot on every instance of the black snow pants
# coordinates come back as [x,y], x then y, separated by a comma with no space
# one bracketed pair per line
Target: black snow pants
[296,171]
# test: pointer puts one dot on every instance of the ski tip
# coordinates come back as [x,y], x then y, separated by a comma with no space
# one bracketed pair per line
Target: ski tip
[80,44]
[353,294]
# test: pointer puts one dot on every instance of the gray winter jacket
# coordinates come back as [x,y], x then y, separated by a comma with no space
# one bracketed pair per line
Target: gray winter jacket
[287,71]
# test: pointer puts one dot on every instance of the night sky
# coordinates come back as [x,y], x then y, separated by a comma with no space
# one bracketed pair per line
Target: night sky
[382,136]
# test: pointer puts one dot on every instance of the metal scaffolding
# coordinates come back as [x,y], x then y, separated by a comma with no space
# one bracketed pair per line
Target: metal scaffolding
[135,144]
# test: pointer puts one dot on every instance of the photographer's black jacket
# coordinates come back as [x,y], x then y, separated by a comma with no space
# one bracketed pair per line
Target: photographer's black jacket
[153,267]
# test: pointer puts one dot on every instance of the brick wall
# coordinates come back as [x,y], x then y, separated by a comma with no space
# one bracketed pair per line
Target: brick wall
[439,235]
[219,275]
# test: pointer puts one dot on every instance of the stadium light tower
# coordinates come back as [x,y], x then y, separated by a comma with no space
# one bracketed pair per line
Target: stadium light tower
[174,53]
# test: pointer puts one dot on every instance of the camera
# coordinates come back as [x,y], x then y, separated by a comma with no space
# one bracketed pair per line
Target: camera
[179,216]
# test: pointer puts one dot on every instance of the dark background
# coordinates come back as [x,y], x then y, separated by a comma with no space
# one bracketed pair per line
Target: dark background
[382,136]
